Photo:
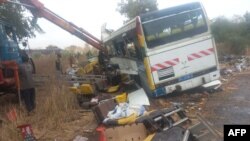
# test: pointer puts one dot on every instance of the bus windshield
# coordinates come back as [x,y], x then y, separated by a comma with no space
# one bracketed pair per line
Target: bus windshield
[173,25]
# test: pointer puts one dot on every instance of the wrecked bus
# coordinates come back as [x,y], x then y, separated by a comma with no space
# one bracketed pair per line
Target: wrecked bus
[166,50]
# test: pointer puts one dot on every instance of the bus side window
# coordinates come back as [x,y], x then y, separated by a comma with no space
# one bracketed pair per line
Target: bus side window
[127,45]
[131,50]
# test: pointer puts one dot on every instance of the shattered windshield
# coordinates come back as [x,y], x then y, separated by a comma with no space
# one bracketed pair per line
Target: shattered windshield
[174,27]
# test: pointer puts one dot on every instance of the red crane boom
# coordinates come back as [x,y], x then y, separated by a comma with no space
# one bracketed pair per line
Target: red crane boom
[38,9]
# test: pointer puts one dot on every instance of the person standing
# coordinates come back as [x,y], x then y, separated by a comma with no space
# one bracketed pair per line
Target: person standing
[27,87]
[58,63]
[58,66]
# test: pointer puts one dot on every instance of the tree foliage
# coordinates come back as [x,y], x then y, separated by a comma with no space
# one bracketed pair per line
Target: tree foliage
[235,33]
[133,8]
[16,15]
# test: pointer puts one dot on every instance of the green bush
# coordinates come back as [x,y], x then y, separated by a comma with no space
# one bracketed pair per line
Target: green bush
[235,33]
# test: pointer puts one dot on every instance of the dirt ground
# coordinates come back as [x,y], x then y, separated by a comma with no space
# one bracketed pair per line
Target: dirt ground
[229,106]
[232,106]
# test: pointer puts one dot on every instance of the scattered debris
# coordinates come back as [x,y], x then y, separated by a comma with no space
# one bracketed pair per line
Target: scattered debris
[203,130]
[234,64]
[80,138]
[132,132]
[124,113]
[212,86]
[134,97]
[226,71]
[101,110]
[12,114]
[27,132]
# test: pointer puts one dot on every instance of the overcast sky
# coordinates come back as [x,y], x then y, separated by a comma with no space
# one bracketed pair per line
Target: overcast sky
[92,14]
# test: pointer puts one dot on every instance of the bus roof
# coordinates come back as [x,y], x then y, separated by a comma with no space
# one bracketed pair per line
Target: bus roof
[151,15]
[169,11]
[126,27]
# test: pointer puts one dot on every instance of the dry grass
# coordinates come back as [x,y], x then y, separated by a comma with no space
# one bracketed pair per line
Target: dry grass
[56,116]
[45,65]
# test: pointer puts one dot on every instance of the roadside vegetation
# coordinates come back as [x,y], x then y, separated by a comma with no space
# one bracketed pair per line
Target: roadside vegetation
[57,114]
[232,35]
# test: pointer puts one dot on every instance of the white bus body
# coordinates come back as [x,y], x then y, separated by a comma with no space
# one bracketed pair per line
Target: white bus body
[174,49]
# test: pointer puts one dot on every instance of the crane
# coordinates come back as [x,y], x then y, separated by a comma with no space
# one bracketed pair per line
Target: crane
[39,10]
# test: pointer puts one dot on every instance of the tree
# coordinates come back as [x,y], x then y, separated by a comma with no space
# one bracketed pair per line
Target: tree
[133,8]
[247,17]
[232,33]
[17,15]
[247,25]
[75,49]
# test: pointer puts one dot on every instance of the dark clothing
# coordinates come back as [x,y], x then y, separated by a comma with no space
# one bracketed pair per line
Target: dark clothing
[58,65]
[27,86]
[25,75]
[101,58]
[58,69]
[28,95]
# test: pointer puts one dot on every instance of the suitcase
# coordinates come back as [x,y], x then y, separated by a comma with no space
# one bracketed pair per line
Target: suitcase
[101,110]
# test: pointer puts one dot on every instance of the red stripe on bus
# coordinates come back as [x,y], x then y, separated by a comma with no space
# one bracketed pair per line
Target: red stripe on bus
[165,64]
